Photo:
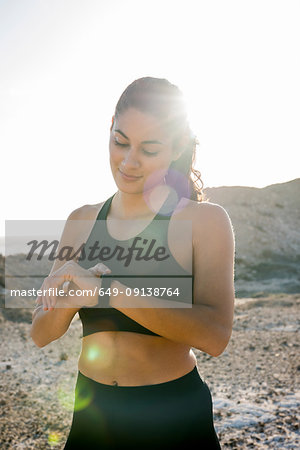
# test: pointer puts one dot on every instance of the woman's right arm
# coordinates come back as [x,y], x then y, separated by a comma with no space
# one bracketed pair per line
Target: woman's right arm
[48,326]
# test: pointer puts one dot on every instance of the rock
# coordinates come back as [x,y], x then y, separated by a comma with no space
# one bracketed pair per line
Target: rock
[63,356]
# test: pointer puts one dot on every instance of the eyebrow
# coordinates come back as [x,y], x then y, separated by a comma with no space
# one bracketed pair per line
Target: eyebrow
[144,142]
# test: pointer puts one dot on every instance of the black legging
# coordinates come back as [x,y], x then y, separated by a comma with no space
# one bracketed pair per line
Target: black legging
[172,415]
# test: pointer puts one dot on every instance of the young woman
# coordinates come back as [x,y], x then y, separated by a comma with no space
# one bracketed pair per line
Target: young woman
[138,385]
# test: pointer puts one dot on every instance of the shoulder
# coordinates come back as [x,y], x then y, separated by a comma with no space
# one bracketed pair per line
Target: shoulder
[86,212]
[209,220]
[206,212]
[76,229]
[210,212]
[79,223]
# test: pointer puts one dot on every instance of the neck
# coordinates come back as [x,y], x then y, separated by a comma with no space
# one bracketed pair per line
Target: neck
[130,206]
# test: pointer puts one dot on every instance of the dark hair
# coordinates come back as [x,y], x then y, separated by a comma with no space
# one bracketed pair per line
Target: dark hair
[164,100]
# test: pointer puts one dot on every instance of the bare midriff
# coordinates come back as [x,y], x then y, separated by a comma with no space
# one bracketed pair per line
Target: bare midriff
[132,359]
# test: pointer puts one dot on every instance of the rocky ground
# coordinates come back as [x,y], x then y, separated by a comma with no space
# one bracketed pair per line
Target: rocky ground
[254,383]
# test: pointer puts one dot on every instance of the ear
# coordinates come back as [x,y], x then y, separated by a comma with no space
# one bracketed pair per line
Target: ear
[112,122]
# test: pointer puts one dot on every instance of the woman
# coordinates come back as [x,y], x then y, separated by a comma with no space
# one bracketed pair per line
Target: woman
[138,384]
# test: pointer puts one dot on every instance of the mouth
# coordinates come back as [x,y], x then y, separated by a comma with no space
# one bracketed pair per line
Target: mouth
[129,177]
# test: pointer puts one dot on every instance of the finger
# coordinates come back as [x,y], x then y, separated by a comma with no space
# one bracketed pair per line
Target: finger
[60,278]
[101,268]
[50,296]
[48,293]
[35,311]
[65,286]
[94,272]
[42,297]
[57,281]
[54,284]
[46,297]
[65,272]
[53,301]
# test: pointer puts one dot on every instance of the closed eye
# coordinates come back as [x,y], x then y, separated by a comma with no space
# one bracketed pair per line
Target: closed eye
[150,153]
[144,151]
[119,143]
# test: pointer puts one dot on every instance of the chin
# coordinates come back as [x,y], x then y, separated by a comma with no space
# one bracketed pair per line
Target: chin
[128,189]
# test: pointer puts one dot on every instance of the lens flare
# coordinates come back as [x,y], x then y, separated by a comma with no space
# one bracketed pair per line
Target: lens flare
[175,182]
[53,439]
[156,178]
[83,396]
[97,355]
[93,353]
[179,183]
[65,397]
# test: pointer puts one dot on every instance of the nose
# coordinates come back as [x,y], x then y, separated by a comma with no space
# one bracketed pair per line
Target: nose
[130,160]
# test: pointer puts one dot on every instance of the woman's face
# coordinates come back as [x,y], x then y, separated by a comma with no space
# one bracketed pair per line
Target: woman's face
[140,151]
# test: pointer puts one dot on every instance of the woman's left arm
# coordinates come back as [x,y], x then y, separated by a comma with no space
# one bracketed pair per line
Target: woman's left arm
[207,325]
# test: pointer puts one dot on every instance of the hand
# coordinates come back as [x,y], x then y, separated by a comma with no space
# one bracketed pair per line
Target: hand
[84,279]
[99,269]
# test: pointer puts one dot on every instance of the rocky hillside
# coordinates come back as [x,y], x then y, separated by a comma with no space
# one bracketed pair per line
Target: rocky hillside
[266,223]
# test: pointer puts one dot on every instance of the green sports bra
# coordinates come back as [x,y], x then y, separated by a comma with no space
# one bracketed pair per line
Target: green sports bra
[141,273]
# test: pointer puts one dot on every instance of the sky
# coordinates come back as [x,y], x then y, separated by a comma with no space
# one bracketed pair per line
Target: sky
[64,64]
